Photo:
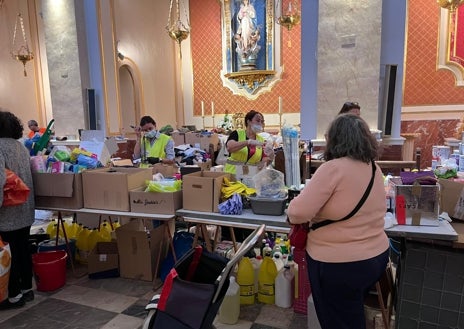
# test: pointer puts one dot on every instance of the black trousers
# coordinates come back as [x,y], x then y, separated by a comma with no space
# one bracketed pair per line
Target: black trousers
[21,260]
[339,290]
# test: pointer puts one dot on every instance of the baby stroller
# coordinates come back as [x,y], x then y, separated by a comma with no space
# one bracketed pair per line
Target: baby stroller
[195,288]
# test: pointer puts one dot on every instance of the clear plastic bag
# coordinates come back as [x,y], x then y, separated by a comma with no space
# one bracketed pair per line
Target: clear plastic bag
[269,183]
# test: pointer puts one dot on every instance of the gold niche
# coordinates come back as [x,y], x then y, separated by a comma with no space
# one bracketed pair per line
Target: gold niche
[250,78]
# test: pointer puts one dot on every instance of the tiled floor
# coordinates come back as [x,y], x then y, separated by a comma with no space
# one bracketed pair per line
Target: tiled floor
[119,303]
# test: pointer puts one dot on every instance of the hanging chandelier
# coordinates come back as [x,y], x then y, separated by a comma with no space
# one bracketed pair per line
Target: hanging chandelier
[451,5]
[177,30]
[23,54]
[292,15]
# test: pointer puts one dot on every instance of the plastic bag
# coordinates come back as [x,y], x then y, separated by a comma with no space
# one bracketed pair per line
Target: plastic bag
[270,183]
[164,185]
[5,265]
[298,235]
[15,191]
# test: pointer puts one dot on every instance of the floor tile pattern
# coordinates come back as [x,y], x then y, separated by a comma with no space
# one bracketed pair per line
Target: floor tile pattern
[119,303]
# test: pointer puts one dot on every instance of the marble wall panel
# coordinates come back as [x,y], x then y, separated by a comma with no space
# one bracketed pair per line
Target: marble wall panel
[348,58]
[429,133]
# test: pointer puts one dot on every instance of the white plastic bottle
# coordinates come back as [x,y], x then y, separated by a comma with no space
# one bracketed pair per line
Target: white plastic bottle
[256,265]
[229,311]
[277,258]
[284,287]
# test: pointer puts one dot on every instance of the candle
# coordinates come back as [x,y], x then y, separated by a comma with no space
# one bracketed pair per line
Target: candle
[212,109]
[202,108]
[280,104]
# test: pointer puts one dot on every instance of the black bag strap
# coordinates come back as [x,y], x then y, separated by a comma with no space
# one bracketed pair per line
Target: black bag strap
[315,226]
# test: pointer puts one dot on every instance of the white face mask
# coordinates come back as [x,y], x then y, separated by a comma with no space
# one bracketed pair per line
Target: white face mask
[150,134]
[257,128]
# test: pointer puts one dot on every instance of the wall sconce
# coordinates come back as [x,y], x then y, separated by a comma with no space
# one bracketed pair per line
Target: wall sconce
[292,15]
[177,30]
[119,54]
[451,5]
[23,54]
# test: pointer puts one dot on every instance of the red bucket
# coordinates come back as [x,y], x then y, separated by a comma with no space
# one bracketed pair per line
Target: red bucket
[49,269]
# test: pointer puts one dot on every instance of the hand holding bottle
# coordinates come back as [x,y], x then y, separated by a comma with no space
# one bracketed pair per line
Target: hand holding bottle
[254,142]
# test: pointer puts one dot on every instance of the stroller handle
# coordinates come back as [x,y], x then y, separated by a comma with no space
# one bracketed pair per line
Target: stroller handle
[246,245]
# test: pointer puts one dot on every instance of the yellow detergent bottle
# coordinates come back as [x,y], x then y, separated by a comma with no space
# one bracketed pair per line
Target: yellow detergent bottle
[105,234]
[50,228]
[266,281]
[82,245]
[246,281]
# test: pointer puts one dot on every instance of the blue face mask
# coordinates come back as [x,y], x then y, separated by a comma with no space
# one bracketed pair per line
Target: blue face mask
[150,134]
[257,128]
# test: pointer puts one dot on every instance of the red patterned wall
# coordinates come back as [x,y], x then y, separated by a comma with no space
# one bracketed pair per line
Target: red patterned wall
[206,42]
[423,84]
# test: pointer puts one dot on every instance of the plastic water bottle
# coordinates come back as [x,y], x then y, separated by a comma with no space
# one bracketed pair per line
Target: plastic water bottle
[266,281]
[246,281]
[284,287]
[229,311]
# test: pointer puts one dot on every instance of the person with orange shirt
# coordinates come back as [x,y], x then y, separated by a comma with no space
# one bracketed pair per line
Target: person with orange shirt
[35,129]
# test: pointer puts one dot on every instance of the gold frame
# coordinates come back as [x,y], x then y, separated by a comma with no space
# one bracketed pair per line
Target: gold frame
[250,83]
[447,31]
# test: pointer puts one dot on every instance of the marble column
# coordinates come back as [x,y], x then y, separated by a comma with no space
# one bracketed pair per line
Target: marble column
[65,67]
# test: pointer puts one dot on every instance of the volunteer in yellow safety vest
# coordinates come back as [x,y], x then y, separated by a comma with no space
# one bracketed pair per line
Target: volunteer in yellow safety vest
[246,147]
[154,144]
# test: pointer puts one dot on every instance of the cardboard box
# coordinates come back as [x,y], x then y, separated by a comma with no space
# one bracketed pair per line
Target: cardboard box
[58,190]
[421,202]
[108,188]
[165,170]
[452,198]
[103,261]
[200,166]
[140,252]
[155,202]
[202,190]
[178,137]
[202,141]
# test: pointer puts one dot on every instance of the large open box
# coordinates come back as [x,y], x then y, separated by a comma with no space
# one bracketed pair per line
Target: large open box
[103,261]
[155,202]
[58,190]
[165,170]
[452,198]
[202,141]
[108,188]
[202,190]
[421,202]
[178,138]
[140,247]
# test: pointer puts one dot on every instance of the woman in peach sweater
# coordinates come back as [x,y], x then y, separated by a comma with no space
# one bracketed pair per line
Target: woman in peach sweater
[345,258]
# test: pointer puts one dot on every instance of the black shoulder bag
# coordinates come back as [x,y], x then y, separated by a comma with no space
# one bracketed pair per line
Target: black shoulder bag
[315,226]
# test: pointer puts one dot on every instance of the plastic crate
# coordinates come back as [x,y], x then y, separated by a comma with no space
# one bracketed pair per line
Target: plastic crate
[300,304]
[268,206]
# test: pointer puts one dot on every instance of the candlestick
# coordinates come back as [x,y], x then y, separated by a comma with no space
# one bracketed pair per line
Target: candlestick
[212,109]
[202,108]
